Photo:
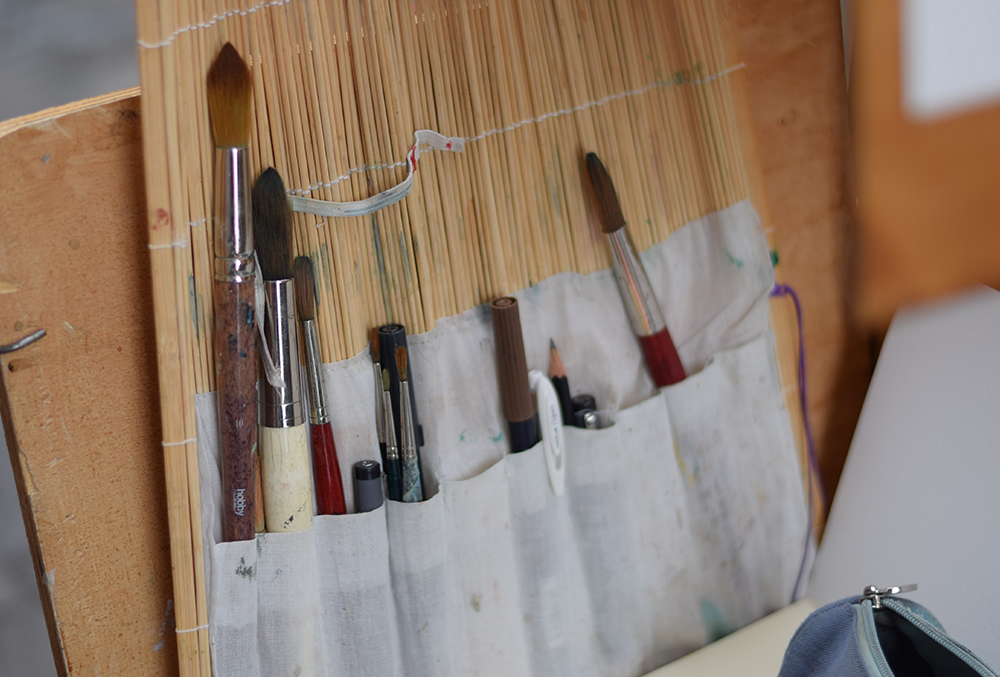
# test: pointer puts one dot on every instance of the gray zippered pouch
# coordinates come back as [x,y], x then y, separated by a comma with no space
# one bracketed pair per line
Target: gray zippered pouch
[877,635]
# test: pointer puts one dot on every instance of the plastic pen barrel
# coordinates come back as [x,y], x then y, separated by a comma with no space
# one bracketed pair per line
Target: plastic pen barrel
[367,486]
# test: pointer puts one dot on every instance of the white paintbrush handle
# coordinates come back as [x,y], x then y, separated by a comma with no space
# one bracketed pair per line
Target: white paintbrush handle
[287,480]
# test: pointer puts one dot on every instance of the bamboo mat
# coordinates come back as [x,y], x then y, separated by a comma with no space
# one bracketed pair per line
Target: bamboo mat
[340,89]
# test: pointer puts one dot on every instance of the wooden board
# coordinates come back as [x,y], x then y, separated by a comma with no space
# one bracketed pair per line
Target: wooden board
[795,81]
[927,208]
[82,416]
[80,407]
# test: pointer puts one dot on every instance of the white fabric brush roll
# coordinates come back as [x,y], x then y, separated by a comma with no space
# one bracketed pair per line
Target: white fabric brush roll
[684,520]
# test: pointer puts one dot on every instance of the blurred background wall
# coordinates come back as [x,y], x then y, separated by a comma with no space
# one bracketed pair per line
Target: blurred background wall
[52,52]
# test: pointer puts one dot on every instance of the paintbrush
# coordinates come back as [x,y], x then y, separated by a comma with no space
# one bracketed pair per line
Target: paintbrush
[229,92]
[409,462]
[644,312]
[326,467]
[374,348]
[393,485]
[284,448]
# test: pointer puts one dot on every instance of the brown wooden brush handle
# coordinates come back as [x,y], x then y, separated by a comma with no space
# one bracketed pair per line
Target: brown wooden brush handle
[236,382]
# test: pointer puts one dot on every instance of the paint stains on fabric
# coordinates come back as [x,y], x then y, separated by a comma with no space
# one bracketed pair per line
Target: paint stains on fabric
[735,261]
[692,477]
[247,572]
[715,623]
[477,602]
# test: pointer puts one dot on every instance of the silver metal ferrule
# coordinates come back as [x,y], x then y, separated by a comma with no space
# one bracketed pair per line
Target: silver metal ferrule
[389,428]
[318,414]
[407,426]
[378,402]
[233,225]
[281,407]
[643,310]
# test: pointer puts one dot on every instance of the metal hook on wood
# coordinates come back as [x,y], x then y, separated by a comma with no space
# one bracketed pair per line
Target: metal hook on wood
[22,342]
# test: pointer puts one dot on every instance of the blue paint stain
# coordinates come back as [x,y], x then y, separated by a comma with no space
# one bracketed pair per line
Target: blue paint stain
[461,436]
[169,623]
[735,261]
[497,437]
[715,623]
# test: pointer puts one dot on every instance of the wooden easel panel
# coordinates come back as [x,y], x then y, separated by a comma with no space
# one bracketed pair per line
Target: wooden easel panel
[80,406]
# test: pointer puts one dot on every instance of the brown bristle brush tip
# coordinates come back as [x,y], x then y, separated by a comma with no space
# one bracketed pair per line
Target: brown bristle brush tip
[272,226]
[229,91]
[401,362]
[608,207]
[373,343]
[305,289]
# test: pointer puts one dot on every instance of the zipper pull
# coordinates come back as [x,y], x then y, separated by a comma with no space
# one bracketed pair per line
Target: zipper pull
[875,595]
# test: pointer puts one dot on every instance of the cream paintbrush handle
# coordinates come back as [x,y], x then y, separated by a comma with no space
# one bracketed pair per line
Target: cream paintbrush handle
[285,466]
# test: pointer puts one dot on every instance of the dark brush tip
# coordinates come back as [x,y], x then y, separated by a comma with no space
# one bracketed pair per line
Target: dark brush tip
[305,289]
[401,362]
[272,226]
[608,207]
[375,343]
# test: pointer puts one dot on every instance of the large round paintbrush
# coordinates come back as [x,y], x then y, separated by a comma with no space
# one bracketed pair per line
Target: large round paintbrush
[284,447]
[229,93]
[326,467]
[643,310]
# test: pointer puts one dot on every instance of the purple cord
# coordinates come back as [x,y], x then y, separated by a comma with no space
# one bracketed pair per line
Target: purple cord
[785,290]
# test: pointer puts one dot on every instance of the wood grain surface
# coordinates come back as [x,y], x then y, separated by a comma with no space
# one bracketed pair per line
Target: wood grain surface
[80,407]
[236,357]
[795,81]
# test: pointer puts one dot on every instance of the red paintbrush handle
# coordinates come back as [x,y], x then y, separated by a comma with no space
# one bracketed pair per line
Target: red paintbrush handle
[662,358]
[329,487]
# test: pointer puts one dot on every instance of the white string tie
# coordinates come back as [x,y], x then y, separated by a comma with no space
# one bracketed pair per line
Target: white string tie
[176,244]
[271,370]
[181,443]
[424,137]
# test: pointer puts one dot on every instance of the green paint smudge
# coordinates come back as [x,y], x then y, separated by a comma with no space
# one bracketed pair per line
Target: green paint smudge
[735,261]
[774,258]
[715,623]
[244,571]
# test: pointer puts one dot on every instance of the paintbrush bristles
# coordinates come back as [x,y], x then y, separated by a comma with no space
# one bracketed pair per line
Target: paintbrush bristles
[229,91]
[272,226]
[305,289]
[401,362]
[608,208]
[376,349]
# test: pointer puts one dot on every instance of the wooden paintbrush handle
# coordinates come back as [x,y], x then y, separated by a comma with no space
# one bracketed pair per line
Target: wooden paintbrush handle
[284,465]
[662,359]
[326,467]
[236,379]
